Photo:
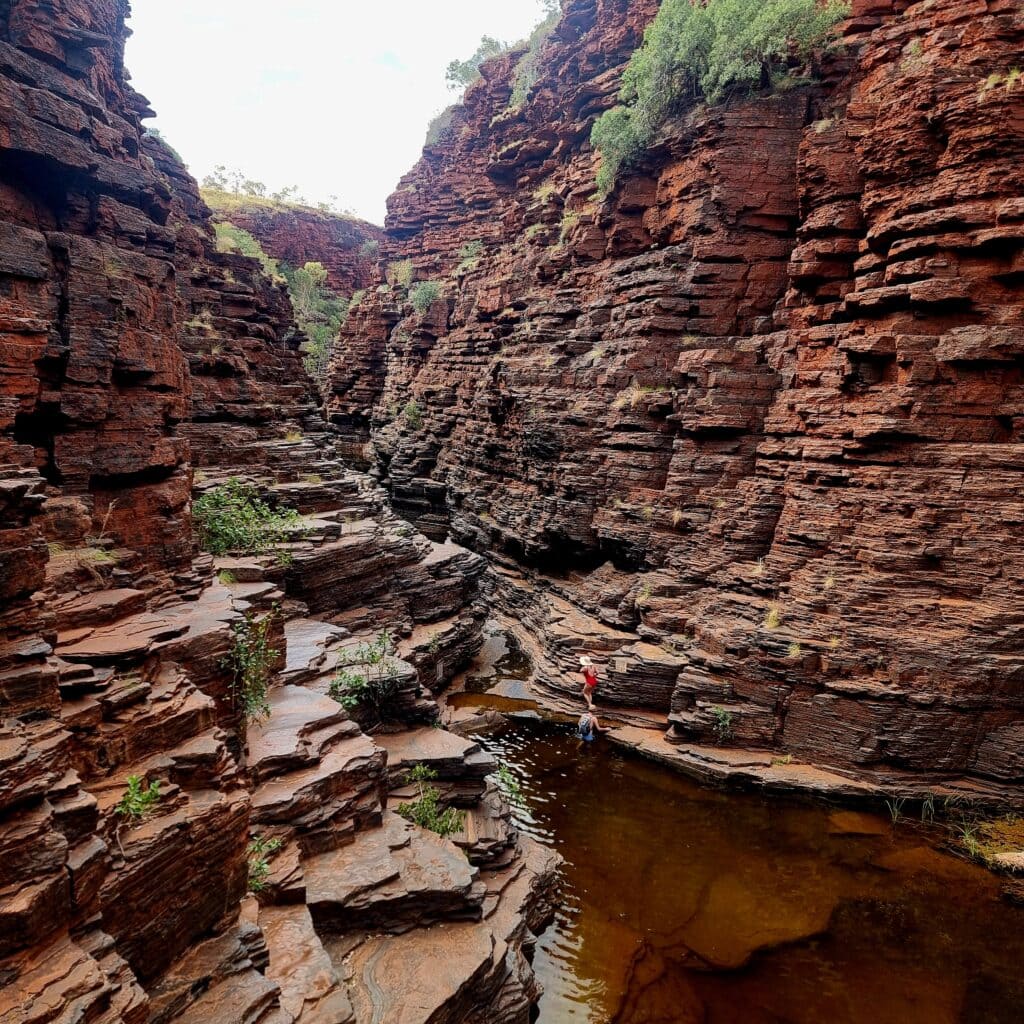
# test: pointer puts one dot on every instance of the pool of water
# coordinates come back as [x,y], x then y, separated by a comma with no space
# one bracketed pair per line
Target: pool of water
[683,904]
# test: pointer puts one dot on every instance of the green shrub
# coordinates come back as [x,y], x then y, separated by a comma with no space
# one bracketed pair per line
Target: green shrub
[426,810]
[469,254]
[722,726]
[509,785]
[258,853]
[400,273]
[375,687]
[424,295]
[232,517]
[232,239]
[528,69]
[438,124]
[251,659]
[357,297]
[413,415]
[138,799]
[695,50]
[319,311]
[369,249]
[460,74]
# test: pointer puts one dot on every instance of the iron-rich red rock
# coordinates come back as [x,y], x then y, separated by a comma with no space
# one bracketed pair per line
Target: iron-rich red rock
[759,410]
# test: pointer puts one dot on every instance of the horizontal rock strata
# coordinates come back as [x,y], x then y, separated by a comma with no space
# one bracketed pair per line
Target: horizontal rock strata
[748,431]
[142,367]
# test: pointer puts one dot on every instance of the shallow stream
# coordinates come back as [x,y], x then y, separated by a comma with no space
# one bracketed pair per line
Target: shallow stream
[683,904]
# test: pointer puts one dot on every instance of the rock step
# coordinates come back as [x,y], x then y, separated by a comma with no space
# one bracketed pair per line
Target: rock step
[460,958]
[312,992]
[303,725]
[395,877]
[98,608]
[333,795]
[310,649]
[461,765]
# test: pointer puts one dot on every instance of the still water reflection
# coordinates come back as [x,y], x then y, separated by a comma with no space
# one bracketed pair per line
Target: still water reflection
[684,905]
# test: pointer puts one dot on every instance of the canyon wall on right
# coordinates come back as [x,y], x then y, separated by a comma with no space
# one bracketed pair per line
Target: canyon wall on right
[749,429]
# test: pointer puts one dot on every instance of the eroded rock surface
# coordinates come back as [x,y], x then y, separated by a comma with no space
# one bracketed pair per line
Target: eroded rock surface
[141,366]
[748,432]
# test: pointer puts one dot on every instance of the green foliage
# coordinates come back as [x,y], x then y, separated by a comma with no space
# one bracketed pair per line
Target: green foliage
[369,249]
[424,295]
[225,190]
[569,221]
[375,687]
[528,69]
[138,799]
[232,239]
[469,254]
[319,311]
[155,133]
[617,136]
[400,273]
[413,415]
[232,517]
[693,50]
[426,810]
[722,726]
[460,74]
[510,785]
[251,658]
[896,808]
[258,853]
[438,124]
[357,297]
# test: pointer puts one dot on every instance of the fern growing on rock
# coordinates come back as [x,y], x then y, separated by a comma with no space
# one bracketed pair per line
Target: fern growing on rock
[251,659]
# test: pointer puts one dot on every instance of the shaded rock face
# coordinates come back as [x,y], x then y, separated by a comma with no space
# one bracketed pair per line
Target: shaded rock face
[133,354]
[300,235]
[748,431]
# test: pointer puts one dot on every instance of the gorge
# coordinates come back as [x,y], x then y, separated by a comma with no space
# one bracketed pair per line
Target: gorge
[746,430]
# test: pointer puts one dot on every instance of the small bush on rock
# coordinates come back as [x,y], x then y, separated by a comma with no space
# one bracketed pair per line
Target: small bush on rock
[138,799]
[412,415]
[400,273]
[251,658]
[424,295]
[694,50]
[233,517]
[375,686]
[722,726]
[426,810]
[258,852]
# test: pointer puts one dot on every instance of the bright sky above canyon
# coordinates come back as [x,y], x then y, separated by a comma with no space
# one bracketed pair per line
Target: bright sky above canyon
[331,95]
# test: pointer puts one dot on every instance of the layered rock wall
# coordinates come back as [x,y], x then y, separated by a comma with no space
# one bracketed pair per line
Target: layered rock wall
[131,353]
[749,431]
[298,235]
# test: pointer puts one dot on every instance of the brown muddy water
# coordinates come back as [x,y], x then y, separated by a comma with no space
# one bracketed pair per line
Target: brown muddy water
[685,905]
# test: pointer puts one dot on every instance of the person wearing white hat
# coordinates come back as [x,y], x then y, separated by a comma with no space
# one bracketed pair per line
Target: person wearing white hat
[589,680]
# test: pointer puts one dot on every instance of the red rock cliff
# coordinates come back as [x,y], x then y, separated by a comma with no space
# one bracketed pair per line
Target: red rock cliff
[749,431]
[131,351]
[299,234]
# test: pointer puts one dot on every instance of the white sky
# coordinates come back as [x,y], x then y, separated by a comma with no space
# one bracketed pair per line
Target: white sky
[331,95]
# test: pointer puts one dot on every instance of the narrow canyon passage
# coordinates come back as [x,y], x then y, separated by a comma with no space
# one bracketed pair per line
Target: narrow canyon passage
[699,371]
